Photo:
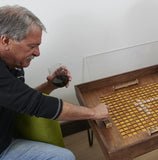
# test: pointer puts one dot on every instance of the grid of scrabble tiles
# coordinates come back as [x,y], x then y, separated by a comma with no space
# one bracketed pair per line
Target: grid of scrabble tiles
[126,113]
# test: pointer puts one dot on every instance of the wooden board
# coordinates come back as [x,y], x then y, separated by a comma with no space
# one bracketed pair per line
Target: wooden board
[133,111]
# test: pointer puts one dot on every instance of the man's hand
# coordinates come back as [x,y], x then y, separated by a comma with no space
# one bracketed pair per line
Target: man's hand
[60,71]
[101,112]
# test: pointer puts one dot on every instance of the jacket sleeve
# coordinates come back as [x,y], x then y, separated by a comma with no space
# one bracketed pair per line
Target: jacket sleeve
[19,97]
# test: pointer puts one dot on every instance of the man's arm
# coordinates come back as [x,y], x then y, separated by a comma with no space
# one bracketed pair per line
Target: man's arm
[70,111]
[74,112]
[46,87]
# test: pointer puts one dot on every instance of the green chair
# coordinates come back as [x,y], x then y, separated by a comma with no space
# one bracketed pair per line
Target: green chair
[38,129]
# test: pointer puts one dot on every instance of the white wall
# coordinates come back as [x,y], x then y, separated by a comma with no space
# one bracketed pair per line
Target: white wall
[80,28]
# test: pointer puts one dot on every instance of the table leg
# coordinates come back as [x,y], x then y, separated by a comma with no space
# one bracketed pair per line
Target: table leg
[90,136]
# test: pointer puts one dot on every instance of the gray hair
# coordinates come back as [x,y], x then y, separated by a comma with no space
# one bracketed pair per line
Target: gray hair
[15,22]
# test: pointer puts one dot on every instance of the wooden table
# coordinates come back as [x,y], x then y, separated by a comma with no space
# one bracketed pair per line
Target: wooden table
[112,142]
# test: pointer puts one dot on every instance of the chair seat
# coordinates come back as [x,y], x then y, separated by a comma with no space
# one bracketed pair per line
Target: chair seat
[39,129]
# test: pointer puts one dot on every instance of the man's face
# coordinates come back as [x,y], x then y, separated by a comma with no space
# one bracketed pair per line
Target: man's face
[19,54]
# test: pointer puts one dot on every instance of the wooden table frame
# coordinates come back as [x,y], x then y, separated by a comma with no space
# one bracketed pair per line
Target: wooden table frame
[111,142]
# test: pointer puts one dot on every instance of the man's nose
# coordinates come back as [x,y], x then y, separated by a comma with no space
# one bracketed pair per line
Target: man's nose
[36,52]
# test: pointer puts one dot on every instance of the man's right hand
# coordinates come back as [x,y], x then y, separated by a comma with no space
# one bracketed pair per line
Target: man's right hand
[101,112]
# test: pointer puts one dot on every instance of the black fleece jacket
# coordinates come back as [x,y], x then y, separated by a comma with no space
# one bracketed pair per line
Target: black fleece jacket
[16,96]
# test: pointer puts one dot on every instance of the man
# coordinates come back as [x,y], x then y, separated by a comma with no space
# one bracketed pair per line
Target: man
[20,37]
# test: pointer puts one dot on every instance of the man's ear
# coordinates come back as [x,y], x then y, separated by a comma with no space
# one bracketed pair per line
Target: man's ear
[4,41]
